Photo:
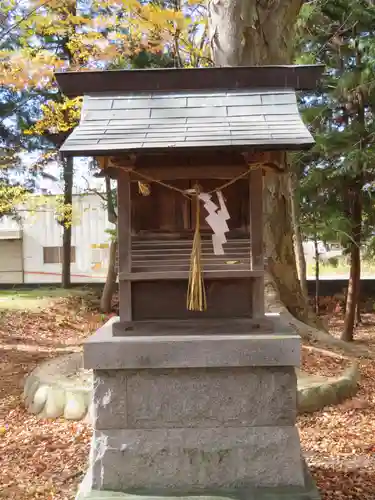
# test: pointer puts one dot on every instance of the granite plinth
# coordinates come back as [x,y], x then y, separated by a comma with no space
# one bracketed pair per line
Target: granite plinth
[193,344]
[194,398]
[186,459]
[308,491]
[191,410]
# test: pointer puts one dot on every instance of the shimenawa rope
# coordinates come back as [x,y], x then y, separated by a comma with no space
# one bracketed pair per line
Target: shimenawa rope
[196,293]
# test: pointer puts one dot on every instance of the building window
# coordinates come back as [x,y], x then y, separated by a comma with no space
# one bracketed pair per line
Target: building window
[53,255]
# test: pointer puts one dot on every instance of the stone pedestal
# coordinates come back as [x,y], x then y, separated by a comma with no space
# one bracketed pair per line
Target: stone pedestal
[195,413]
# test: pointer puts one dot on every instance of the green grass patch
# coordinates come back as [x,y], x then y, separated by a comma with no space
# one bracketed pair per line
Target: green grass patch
[34,299]
[340,268]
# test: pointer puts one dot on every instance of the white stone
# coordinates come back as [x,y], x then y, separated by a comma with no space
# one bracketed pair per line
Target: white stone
[30,392]
[90,415]
[39,400]
[55,404]
[29,381]
[75,407]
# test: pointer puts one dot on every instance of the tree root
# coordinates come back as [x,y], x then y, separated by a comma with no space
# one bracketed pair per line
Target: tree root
[308,333]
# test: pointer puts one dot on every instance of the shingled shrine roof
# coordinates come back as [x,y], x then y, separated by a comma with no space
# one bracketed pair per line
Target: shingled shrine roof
[241,117]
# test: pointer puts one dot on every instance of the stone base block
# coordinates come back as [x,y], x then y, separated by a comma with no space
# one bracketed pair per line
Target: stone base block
[194,344]
[308,491]
[196,459]
[198,398]
[191,406]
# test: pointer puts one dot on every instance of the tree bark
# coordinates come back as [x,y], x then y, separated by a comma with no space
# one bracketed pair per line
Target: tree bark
[317,272]
[67,223]
[68,178]
[298,241]
[355,267]
[280,257]
[355,198]
[252,32]
[110,283]
[244,32]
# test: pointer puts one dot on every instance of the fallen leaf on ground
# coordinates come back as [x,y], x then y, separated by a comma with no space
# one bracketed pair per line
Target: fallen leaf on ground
[46,459]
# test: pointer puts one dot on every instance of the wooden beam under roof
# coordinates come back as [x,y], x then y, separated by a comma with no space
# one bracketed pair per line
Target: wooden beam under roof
[77,83]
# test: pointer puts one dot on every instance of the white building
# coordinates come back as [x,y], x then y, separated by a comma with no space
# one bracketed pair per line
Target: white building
[31,251]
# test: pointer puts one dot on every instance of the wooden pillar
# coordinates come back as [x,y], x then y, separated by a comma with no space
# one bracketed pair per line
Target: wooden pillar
[124,243]
[256,238]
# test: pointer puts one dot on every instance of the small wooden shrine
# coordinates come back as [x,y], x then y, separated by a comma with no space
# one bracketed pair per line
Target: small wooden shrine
[188,148]
[194,386]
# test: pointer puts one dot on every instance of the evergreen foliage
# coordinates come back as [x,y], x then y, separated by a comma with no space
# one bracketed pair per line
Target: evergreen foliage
[337,176]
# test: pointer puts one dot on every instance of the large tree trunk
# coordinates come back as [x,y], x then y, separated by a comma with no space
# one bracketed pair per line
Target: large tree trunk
[254,32]
[245,32]
[67,223]
[278,235]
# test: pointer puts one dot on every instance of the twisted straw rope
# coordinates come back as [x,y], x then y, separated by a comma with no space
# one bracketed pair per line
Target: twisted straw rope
[186,192]
[196,293]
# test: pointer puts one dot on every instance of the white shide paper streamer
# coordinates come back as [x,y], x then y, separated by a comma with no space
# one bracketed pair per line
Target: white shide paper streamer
[217,220]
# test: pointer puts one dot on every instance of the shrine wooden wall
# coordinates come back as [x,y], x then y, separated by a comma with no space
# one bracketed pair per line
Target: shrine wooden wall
[166,210]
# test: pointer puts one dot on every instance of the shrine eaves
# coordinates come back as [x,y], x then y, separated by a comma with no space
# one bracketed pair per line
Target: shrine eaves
[165,119]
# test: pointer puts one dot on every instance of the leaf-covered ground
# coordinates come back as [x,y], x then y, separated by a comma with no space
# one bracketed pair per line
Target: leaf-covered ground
[339,442]
[46,459]
[40,459]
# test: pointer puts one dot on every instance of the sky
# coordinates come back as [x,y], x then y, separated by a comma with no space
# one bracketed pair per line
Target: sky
[83,179]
